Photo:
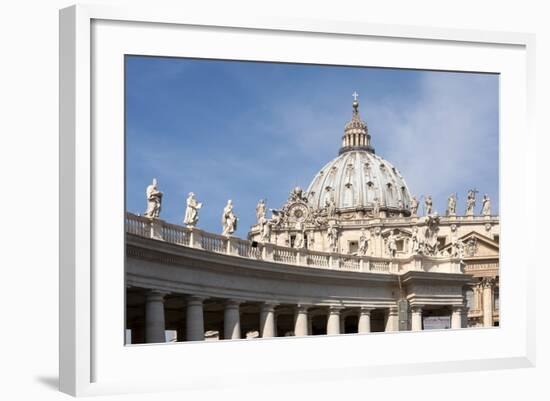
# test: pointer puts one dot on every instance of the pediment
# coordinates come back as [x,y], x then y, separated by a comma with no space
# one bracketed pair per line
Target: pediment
[477,245]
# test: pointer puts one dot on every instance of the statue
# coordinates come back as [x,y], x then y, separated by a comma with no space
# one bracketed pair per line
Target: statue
[392,245]
[451,205]
[154,199]
[430,243]
[376,208]
[486,208]
[332,236]
[229,220]
[277,217]
[414,206]
[459,249]
[260,210]
[192,211]
[364,240]
[297,194]
[470,202]
[415,242]
[265,229]
[429,205]
[331,207]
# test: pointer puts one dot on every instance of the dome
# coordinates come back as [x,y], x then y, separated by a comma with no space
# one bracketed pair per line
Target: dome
[357,179]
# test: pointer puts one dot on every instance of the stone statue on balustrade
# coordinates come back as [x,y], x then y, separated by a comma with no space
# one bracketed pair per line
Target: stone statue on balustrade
[265,230]
[260,210]
[229,220]
[414,206]
[191,217]
[332,236]
[428,203]
[470,202]
[451,205]
[364,242]
[486,207]
[154,199]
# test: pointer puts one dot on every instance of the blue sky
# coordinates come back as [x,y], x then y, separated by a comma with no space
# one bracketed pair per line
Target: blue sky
[247,130]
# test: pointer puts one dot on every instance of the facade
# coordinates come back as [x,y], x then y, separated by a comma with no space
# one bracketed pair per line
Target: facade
[354,253]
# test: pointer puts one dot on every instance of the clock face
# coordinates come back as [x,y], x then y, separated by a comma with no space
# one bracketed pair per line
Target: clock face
[298,212]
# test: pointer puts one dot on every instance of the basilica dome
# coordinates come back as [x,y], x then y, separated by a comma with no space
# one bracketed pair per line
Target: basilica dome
[358,179]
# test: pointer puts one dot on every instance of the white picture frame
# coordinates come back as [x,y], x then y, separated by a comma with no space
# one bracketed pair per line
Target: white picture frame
[93,358]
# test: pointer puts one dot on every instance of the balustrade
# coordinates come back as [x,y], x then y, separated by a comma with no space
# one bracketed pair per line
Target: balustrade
[192,237]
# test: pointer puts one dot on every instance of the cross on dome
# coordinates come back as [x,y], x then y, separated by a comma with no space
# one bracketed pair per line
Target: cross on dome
[355,95]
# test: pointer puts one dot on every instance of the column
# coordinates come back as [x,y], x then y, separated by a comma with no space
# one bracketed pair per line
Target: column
[487,284]
[416,318]
[392,319]
[364,320]
[154,317]
[231,320]
[300,321]
[267,321]
[333,321]
[456,317]
[195,319]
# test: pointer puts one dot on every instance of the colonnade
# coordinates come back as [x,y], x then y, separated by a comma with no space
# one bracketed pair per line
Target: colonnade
[194,325]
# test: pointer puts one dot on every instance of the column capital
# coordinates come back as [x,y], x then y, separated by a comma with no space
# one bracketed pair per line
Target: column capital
[156,295]
[269,306]
[302,307]
[195,299]
[458,308]
[488,282]
[364,310]
[335,309]
[416,308]
[232,303]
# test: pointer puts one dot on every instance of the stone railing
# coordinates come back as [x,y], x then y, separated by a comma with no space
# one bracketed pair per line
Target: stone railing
[195,238]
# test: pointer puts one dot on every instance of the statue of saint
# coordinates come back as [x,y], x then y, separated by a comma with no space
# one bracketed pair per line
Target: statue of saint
[332,235]
[486,208]
[451,205]
[364,240]
[154,199]
[229,220]
[376,208]
[429,205]
[331,207]
[415,243]
[392,245]
[414,206]
[265,229]
[260,210]
[192,211]
[470,202]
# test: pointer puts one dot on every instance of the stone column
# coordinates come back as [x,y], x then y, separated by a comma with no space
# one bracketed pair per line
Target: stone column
[154,317]
[333,321]
[300,320]
[456,317]
[487,285]
[364,320]
[195,319]
[416,318]
[392,319]
[231,320]
[267,321]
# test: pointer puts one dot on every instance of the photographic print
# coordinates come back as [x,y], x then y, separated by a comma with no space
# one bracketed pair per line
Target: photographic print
[280,200]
